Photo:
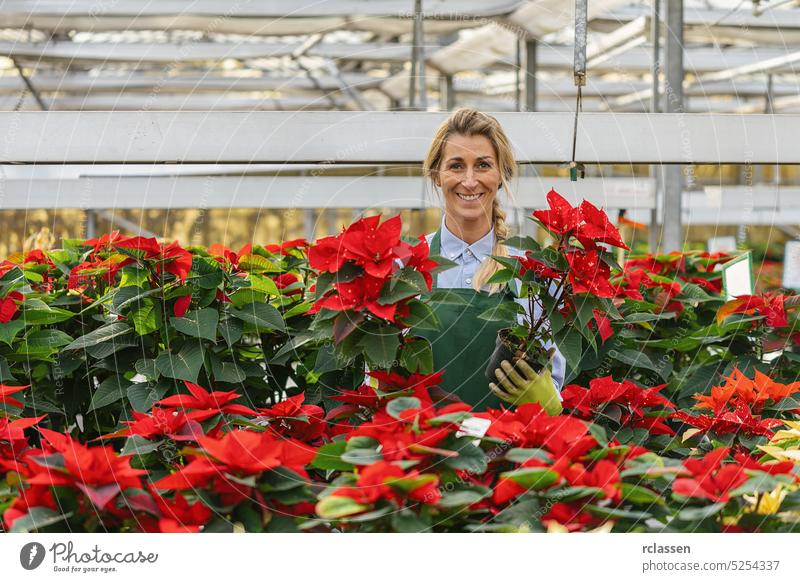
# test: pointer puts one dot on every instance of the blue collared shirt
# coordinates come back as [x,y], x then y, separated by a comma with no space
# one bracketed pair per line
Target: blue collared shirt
[468,258]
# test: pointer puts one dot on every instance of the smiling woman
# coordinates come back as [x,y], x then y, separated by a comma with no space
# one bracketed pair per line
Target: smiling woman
[469,160]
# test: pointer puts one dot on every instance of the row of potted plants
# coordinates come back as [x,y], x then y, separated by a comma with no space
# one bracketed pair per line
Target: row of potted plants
[152,387]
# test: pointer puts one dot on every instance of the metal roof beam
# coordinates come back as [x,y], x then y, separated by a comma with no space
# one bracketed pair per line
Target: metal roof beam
[319,191]
[387,137]
[109,52]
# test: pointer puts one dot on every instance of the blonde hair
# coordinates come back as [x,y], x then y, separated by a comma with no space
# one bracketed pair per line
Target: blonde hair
[469,122]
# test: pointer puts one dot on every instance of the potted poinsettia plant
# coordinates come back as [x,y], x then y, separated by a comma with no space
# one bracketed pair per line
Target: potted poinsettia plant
[565,284]
[367,293]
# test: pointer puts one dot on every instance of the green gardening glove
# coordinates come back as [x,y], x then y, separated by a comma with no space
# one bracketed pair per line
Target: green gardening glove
[521,385]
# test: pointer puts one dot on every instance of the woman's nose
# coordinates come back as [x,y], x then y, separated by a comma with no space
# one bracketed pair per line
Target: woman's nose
[469,180]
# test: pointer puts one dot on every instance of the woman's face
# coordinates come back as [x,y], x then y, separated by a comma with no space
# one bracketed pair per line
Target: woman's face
[469,178]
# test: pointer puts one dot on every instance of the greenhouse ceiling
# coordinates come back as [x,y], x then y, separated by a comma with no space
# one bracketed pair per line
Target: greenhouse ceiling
[210,55]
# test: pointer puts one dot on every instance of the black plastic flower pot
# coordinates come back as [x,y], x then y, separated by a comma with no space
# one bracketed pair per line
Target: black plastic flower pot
[511,348]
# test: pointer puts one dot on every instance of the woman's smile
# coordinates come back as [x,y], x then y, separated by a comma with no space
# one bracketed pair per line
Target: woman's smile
[469,197]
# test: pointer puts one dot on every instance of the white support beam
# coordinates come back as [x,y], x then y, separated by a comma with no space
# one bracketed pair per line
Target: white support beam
[767,65]
[387,137]
[698,60]
[627,36]
[502,83]
[318,191]
[266,17]
[490,50]
[762,204]
[237,102]
[183,83]
[494,48]
[779,104]
[433,9]
[184,102]
[173,53]
[540,17]
[234,102]
[722,26]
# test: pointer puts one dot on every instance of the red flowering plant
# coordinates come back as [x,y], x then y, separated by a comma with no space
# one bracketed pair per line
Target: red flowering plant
[631,413]
[572,477]
[239,478]
[410,467]
[718,493]
[255,478]
[669,332]
[698,267]
[367,295]
[137,395]
[65,480]
[137,318]
[561,473]
[566,285]
[264,309]
[415,467]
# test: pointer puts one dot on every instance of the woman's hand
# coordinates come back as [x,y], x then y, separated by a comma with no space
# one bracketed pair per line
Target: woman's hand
[522,385]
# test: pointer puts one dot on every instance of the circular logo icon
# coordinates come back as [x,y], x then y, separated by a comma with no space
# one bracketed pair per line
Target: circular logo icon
[31,555]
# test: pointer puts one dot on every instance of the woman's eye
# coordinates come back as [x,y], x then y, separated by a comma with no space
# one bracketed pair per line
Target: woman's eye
[486,165]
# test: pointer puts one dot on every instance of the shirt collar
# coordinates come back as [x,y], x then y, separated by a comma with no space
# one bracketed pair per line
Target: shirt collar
[453,247]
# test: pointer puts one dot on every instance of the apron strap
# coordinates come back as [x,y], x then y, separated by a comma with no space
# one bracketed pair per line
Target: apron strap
[436,249]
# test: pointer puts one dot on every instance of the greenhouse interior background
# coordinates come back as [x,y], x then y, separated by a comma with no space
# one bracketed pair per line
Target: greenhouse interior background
[734,56]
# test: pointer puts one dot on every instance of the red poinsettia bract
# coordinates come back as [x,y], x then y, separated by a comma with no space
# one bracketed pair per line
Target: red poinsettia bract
[373,252]
[99,472]
[624,401]
[708,478]
[204,404]
[381,480]
[586,222]
[291,417]
[238,453]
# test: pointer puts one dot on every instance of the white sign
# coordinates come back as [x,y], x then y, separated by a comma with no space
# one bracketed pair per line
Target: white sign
[791,265]
[722,244]
[737,276]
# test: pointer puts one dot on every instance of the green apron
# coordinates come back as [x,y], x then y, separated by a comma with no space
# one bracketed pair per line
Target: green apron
[464,343]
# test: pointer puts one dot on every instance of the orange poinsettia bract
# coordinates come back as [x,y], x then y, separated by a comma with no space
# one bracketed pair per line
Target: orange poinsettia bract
[755,392]
[770,305]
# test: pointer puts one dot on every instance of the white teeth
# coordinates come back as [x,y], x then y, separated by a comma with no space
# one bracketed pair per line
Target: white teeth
[470,198]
